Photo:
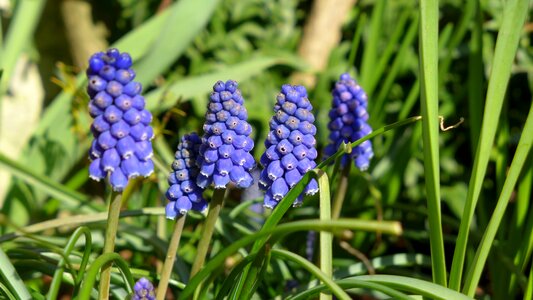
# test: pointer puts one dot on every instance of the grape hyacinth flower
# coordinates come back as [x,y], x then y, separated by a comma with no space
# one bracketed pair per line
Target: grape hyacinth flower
[143,290]
[183,192]
[290,146]
[348,122]
[122,145]
[225,151]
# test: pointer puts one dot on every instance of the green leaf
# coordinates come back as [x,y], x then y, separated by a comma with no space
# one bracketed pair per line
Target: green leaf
[304,263]
[429,35]
[522,151]
[68,197]
[387,227]
[11,277]
[351,283]
[58,274]
[514,16]
[163,98]
[21,29]
[415,286]
[186,19]
[90,276]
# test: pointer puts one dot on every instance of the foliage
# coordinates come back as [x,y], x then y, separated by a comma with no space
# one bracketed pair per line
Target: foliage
[445,214]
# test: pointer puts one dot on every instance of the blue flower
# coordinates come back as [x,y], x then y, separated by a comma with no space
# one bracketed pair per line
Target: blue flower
[143,290]
[121,126]
[183,192]
[290,146]
[225,151]
[348,122]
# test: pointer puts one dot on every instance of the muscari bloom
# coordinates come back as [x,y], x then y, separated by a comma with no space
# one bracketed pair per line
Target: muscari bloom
[183,192]
[290,146]
[121,126]
[143,290]
[348,122]
[226,144]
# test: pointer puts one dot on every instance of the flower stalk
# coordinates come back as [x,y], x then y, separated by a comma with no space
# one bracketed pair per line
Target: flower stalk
[170,258]
[203,246]
[340,194]
[115,200]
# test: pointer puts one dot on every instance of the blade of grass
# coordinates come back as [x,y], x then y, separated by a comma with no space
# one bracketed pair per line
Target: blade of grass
[457,36]
[371,43]
[524,146]
[5,289]
[379,100]
[58,274]
[392,42]
[69,198]
[173,39]
[415,286]
[104,259]
[304,263]
[162,98]
[522,234]
[11,277]
[230,279]
[77,220]
[475,78]
[429,33]
[356,40]
[386,227]
[514,16]
[529,290]
[20,32]
[351,284]
[286,203]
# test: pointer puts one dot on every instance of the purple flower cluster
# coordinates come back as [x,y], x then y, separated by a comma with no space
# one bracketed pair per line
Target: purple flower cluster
[121,126]
[226,144]
[143,290]
[183,192]
[348,122]
[290,146]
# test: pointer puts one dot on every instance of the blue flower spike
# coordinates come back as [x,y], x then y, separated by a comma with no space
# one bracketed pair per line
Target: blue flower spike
[143,290]
[183,193]
[225,151]
[122,133]
[290,147]
[348,122]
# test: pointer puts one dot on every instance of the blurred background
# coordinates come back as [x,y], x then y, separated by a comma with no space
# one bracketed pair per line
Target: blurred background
[181,48]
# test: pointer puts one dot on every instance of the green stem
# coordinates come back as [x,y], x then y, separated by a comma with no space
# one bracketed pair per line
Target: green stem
[169,260]
[209,227]
[326,238]
[115,201]
[338,199]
